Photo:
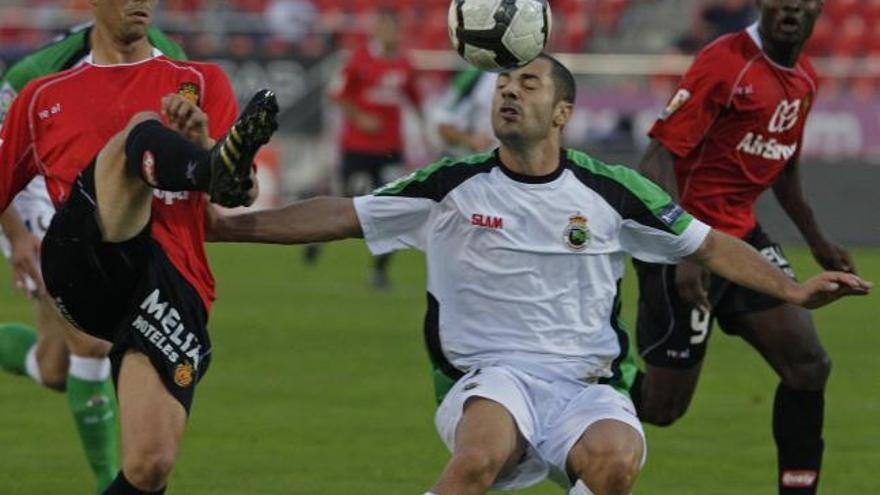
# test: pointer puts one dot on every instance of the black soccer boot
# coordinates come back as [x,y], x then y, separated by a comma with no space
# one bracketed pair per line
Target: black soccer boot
[233,156]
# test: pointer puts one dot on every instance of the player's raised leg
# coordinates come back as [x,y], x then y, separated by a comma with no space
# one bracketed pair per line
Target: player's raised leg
[487,443]
[607,457]
[786,337]
[147,155]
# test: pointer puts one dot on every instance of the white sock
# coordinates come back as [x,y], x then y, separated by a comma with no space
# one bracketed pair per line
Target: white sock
[580,489]
[430,493]
[31,366]
[89,369]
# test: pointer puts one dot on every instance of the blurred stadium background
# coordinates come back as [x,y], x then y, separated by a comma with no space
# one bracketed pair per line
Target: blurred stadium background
[320,386]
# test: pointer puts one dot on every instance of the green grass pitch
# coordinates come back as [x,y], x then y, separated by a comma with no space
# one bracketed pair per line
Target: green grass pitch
[320,386]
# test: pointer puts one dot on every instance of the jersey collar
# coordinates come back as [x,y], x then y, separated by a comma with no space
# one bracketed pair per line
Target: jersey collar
[532,179]
[755,35]
[89,59]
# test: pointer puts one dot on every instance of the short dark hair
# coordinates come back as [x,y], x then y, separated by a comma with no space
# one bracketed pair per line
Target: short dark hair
[563,79]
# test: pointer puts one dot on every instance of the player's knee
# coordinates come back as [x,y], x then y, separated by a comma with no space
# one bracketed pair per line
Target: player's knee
[809,371]
[477,466]
[149,471]
[612,468]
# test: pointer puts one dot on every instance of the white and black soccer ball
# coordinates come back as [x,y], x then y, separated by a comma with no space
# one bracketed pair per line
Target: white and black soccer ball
[495,35]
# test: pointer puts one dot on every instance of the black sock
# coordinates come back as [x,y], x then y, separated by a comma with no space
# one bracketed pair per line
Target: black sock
[797,429]
[635,391]
[121,486]
[381,262]
[165,159]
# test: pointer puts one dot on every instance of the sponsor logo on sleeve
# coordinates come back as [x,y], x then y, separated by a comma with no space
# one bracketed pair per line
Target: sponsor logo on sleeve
[671,213]
[681,97]
[7,94]
[576,234]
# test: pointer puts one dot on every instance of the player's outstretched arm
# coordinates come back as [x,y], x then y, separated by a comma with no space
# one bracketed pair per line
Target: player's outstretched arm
[738,262]
[658,165]
[790,195]
[313,220]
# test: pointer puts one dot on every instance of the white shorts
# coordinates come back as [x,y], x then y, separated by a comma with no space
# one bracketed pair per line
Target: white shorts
[551,414]
[36,211]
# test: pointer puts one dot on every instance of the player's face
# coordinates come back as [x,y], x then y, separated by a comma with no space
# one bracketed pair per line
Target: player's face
[128,20]
[525,106]
[387,29]
[789,22]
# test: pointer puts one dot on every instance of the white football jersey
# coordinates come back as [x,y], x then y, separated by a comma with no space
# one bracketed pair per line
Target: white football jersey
[525,271]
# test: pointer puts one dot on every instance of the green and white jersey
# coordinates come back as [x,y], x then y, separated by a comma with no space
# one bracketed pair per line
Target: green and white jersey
[525,271]
[467,105]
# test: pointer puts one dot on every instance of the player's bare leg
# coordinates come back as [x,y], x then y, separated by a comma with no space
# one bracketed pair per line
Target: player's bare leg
[124,199]
[666,393]
[487,443]
[786,337]
[152,424]
[51,352]
[607,458]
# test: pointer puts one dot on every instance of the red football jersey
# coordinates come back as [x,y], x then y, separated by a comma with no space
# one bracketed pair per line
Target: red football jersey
[379,86]
[59,123]
[737,119]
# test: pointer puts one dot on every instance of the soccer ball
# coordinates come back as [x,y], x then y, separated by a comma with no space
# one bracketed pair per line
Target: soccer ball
[495,35]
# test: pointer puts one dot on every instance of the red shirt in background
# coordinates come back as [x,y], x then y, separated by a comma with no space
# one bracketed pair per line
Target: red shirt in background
[379,86]
[736,121]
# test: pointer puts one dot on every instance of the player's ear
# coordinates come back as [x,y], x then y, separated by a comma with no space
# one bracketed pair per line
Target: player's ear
[562,113]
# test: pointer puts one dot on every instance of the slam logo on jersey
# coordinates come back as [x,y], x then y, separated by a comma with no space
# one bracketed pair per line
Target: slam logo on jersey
[576,235]
[189,91]
[680,98]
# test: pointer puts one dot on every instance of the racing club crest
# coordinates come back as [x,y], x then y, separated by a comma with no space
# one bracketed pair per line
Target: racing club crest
[576,234]
[190,91]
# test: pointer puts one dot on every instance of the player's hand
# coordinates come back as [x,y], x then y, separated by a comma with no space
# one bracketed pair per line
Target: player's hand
[368,123]
[833,257]
[691,281]
[828,287]
[25,258]
[187,118]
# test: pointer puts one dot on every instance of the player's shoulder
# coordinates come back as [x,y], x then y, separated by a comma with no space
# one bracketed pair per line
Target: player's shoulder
[438,179]
[615,183]
[209,70]
[728,54]
[805,65]
[56,56]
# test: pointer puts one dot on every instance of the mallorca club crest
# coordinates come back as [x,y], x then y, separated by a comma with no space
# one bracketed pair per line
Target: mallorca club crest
[183,374]
[190,91]
[576,234]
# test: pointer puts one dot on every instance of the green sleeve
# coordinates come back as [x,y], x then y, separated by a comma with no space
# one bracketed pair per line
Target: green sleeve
[165,45]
